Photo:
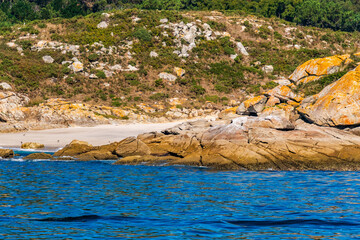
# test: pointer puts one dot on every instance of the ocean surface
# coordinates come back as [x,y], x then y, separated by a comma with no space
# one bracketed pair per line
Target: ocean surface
[98,200]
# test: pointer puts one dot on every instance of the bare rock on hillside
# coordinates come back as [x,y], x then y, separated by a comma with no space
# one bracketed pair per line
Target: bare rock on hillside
[313,69]
[167,76]
[337,104]
[242,49]
[5,86]
[11,106]
[102,25]
[252,106]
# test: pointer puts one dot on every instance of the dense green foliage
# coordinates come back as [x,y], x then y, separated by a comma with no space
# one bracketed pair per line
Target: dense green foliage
[335,14]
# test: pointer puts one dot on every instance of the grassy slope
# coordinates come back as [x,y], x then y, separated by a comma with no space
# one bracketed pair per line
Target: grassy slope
[210,72]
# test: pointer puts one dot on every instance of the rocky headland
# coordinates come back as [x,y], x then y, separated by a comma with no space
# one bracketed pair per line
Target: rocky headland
[279,130]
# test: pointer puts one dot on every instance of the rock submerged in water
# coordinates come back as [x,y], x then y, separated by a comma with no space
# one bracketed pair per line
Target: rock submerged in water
[39,156]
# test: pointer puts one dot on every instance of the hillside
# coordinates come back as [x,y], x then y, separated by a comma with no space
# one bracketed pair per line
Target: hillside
[150,62]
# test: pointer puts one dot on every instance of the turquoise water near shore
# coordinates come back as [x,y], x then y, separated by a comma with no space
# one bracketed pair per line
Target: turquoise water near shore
[98,200]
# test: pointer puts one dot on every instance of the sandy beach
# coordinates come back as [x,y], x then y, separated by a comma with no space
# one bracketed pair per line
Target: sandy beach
[98,135]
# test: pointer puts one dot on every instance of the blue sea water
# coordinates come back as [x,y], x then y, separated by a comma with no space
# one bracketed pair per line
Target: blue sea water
[98,200]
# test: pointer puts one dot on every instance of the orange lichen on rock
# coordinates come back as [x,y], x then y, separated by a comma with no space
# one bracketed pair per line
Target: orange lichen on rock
[337,104]
[252,106]
[284,93]
[319,67]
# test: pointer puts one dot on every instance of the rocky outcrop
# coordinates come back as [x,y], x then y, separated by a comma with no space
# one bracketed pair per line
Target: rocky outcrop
[313,69]
[11,106]
[252,106]
[32,145]
[337,104]
[6,153]
[250,144]
[74,148]
[80,150]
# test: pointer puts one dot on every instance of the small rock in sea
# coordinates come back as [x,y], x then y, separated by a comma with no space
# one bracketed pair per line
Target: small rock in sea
[38,156]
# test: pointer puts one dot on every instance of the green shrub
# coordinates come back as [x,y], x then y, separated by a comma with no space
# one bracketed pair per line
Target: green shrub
[159,83]
[315,87]
[159,96]
[270,85]
[213,98]
[93,57]
[42,25]
[25,44]
[254,88]
[142,34]
[197,89]
[217,26]
[100,74]
[132,79]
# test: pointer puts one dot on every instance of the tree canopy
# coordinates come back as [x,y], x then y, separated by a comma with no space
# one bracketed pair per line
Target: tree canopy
[335,14]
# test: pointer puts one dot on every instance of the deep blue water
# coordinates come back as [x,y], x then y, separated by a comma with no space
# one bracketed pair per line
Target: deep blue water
[98,200]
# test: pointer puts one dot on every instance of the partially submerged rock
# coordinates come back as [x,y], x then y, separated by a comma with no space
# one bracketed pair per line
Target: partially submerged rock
[74,148]
[39,156]
[6,153]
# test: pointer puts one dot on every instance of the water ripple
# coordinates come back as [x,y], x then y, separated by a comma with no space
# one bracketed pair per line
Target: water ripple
[98,200]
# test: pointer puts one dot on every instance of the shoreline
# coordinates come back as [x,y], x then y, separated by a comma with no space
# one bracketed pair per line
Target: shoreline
[95,135]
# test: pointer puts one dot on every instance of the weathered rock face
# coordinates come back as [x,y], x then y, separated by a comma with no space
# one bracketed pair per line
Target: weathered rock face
[246,144]
[11,106]
[337,104]
[284,93]
[6,153]
[252,106]
[313,69]
[32,145]
[80,150]
[282,110]
[74,148]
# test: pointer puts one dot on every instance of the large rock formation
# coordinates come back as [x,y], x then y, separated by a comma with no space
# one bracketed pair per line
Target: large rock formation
[250,143]
[313,69]
[337,104]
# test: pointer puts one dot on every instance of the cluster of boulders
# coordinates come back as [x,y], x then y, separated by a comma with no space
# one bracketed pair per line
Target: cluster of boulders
[284,102]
